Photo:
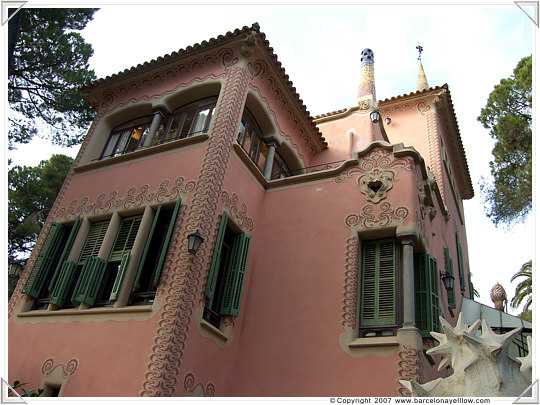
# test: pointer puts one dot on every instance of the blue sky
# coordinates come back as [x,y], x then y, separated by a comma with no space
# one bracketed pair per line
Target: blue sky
[468,47]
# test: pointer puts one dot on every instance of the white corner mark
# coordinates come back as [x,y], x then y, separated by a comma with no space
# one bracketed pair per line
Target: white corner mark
[4,395]
[533,399]
[10,4]
[534,4]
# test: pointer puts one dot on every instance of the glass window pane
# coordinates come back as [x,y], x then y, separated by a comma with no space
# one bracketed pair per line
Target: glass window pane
[136,136]
[121,146]
[111,144]
[262,156]
[200,124]
[185,129]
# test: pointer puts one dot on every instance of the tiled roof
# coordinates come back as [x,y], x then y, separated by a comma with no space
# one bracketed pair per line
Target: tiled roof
[205,46]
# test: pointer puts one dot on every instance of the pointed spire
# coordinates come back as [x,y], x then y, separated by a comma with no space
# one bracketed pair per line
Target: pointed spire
[421,83]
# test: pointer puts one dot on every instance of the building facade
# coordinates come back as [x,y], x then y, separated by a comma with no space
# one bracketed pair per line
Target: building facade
[324,238]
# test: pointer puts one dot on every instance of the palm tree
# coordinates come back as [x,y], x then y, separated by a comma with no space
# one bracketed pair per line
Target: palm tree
[523,289]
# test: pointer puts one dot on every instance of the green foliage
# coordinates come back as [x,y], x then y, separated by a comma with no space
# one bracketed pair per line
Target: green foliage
[17,385]
[50,63]
[526,315]
[31,195]
[508,116]
[524,288]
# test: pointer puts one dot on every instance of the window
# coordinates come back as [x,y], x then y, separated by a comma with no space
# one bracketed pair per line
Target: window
[95,281]
[149,269]
[74,278]
[426,286]
[378,301]
[449,266]
[47,265]
[227,273]
[252,141]
[190,120]
[127,137]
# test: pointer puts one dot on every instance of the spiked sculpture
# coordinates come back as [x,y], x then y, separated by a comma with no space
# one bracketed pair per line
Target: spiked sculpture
[481,364]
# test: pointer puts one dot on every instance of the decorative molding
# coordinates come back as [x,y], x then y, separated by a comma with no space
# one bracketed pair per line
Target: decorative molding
[240,216]
[408,368]
[183,280]
[224,56]
[350,286]
[387,215]
[376,172]
[197,390]
[105,203]
[260,69]
[281,132]
[48,367]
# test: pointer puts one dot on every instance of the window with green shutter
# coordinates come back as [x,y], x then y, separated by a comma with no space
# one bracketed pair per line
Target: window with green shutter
[45,262]
[153,257]
[227,273]
[93,240]
[115,267]
[378,283]
[426,286]
[449,266]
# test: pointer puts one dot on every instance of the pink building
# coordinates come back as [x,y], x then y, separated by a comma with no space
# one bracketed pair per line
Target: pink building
[326,240]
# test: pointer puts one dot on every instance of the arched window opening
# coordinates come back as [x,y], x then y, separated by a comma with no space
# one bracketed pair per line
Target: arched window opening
[127,137]
[258,149]
[143,132]
[192,119]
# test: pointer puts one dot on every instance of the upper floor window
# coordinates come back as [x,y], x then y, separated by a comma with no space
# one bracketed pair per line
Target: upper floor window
[251,139]
[127,137]
[192,119]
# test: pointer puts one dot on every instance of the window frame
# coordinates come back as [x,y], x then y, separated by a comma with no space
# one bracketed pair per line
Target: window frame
[121,132]
[379,327]
[198,106]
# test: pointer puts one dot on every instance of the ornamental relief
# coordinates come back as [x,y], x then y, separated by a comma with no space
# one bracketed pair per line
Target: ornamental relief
[225,57]
[240,215]
[259,69]
[376,173]
[133,198]
[368,218]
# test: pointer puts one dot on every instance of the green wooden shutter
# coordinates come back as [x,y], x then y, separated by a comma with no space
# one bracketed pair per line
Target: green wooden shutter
[65,253]
[119,276]
[125,238]
[94,240]
[460,264]
[216,257]
[378,301]
[89,281]
[421,291]
[137,282]
[63,283]
[434,294]
[236,275]
[426,282]
[450,269]
[44,261]
[166,242]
